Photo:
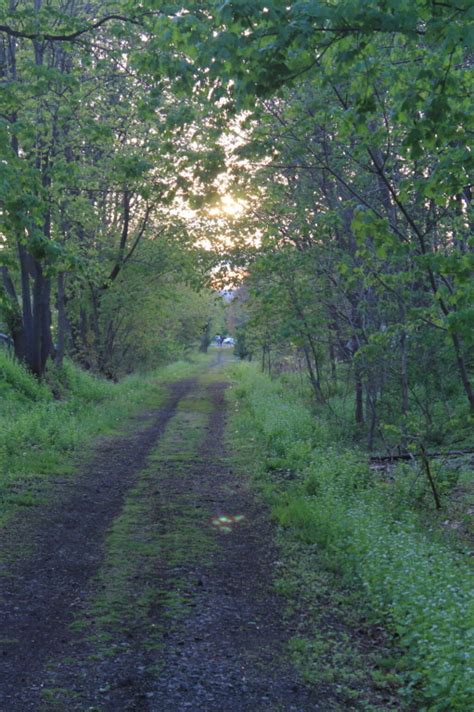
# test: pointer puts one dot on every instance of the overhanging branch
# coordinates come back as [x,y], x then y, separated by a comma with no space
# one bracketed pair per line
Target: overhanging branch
[71,36]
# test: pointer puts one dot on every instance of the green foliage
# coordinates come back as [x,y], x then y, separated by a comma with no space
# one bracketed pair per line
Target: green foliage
[94,149]
[69,381]
[290,432]
[16,381]
[365,202]
[413,582]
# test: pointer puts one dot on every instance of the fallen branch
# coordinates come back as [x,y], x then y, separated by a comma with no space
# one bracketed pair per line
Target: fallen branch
[411,455]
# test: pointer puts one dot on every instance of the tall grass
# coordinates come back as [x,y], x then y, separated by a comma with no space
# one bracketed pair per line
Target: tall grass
[414,584]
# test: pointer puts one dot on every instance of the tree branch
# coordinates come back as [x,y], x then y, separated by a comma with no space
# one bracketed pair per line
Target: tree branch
[71,36]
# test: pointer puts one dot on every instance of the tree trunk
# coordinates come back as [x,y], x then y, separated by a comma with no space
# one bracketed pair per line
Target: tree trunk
[372,406]
[332,359]
[40,341]
[463,370]
[13,317]
[64,328]
[404,371]
[359,397]
[312,376]
[205,338]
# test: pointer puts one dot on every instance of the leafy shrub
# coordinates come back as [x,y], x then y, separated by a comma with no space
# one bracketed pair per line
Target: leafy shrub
[290,433]
[420,588]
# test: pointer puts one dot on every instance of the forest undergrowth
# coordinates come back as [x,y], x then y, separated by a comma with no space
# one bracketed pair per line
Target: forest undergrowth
[371,531]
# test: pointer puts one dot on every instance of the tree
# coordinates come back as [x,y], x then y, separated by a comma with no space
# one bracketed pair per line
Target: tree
[95,149]
[364,119]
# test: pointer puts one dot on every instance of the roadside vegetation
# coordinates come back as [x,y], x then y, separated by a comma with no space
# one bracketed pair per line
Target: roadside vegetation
[368,528]
[45,427]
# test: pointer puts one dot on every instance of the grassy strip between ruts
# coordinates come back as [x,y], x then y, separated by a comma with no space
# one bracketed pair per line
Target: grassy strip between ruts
[41,435]
[334,511]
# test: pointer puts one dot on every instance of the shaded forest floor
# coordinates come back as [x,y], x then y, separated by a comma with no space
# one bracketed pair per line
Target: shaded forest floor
[148,583]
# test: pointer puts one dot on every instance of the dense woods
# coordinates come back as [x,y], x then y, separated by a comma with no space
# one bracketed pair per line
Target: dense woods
[363,202]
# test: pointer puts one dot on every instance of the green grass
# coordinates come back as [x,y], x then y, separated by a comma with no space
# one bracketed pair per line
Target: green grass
[42,436]
[413,583]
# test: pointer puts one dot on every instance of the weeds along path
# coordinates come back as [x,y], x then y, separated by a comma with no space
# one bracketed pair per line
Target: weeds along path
[152,591]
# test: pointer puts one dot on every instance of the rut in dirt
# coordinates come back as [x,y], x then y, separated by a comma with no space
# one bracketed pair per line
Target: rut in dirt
[40,595]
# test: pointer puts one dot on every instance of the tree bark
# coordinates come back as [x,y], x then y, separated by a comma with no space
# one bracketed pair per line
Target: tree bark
[404,371]
[63,321]
[359,397]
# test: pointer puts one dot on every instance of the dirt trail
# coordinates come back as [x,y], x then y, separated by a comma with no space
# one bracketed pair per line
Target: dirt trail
[39,596]
[225,652]
[229,652]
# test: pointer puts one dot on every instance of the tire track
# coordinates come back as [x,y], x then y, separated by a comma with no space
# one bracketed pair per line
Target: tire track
[40,595]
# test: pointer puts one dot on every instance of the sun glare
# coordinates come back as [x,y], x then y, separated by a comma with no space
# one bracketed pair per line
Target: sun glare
[229,206]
